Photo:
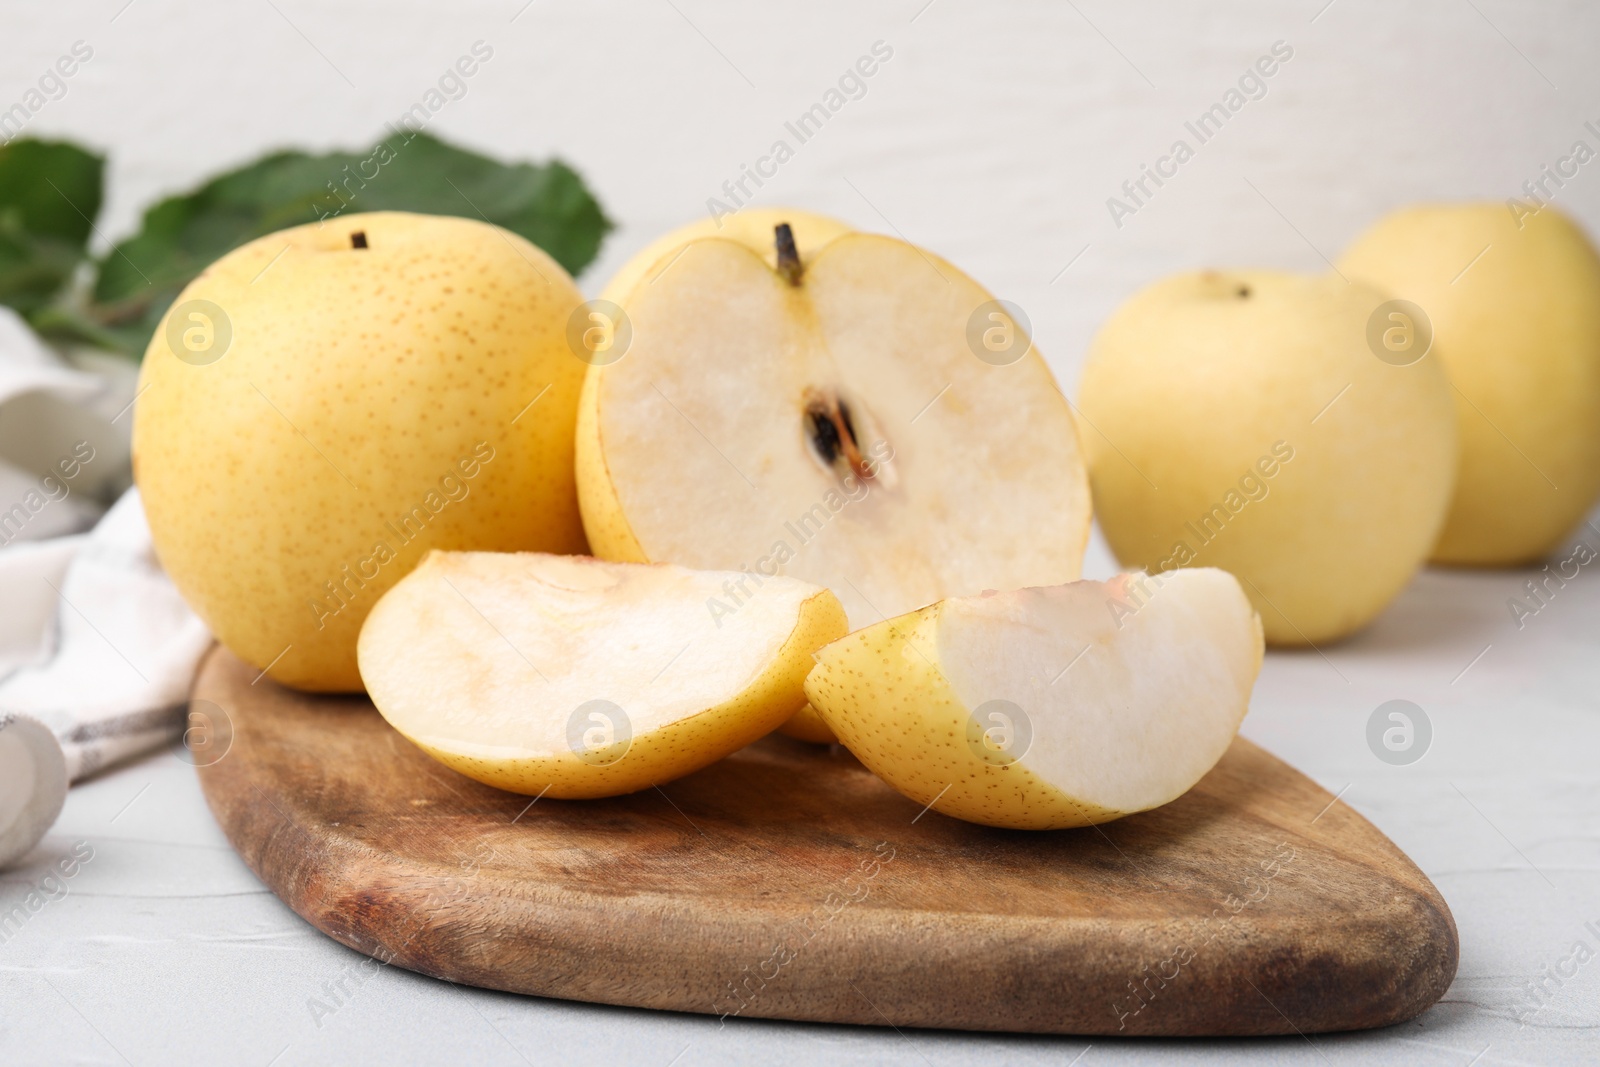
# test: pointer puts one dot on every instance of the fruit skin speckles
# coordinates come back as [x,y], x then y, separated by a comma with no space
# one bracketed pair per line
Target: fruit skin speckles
[327,423]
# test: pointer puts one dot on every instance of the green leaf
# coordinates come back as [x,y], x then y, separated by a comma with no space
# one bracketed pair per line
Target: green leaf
[546,203]
[49,197]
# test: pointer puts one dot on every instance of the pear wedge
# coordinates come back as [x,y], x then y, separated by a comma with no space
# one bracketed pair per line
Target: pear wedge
[574,677]
[1051,707]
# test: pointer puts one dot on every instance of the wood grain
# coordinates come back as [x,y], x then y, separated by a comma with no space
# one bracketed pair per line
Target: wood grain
[788,882]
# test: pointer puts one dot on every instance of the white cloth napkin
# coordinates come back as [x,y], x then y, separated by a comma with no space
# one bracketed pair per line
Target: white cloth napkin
[63,435]
[97,650]
[103,648]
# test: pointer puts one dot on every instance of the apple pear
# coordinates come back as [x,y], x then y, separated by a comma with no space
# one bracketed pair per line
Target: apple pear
[1048,708]
[831,415]
[1512,294]
[574,677]
[325,404]
[1242,420]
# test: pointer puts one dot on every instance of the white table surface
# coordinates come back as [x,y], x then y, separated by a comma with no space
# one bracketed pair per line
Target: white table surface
[994,136]
[167,950]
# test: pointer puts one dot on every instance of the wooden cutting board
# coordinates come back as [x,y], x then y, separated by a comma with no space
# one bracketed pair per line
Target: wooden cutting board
[788,882]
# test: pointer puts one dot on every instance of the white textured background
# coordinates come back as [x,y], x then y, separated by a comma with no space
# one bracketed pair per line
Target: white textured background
[994,135]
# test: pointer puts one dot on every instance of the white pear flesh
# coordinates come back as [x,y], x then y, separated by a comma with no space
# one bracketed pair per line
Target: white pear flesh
[693,447]
[573,677]
[754,228]
[1051,707]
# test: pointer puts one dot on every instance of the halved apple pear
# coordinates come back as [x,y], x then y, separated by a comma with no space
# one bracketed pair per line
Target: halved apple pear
[574,677]
[1051,707]
[862,416]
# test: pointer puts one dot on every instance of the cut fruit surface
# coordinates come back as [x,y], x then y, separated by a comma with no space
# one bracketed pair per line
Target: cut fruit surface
[586,678]
[833,424]
[1049,707]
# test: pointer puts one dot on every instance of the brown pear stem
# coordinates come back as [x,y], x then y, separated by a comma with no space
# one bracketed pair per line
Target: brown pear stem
[788,256]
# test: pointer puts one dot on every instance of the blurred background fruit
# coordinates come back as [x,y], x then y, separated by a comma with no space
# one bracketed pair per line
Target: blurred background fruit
[1241,420]
[1513,296]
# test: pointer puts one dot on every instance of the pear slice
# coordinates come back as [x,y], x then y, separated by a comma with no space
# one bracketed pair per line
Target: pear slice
[574,677]
[832,423]
[1053,707]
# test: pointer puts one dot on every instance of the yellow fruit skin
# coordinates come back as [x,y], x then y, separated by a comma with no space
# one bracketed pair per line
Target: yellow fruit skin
[1519,334]
[881,693]
[807,725]
[355,391]
[610,536]
[683,747]
[1185,392]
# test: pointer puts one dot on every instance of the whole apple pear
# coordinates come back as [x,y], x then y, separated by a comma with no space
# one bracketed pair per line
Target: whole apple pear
[324,405]
[1513,297]
[1242,420]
